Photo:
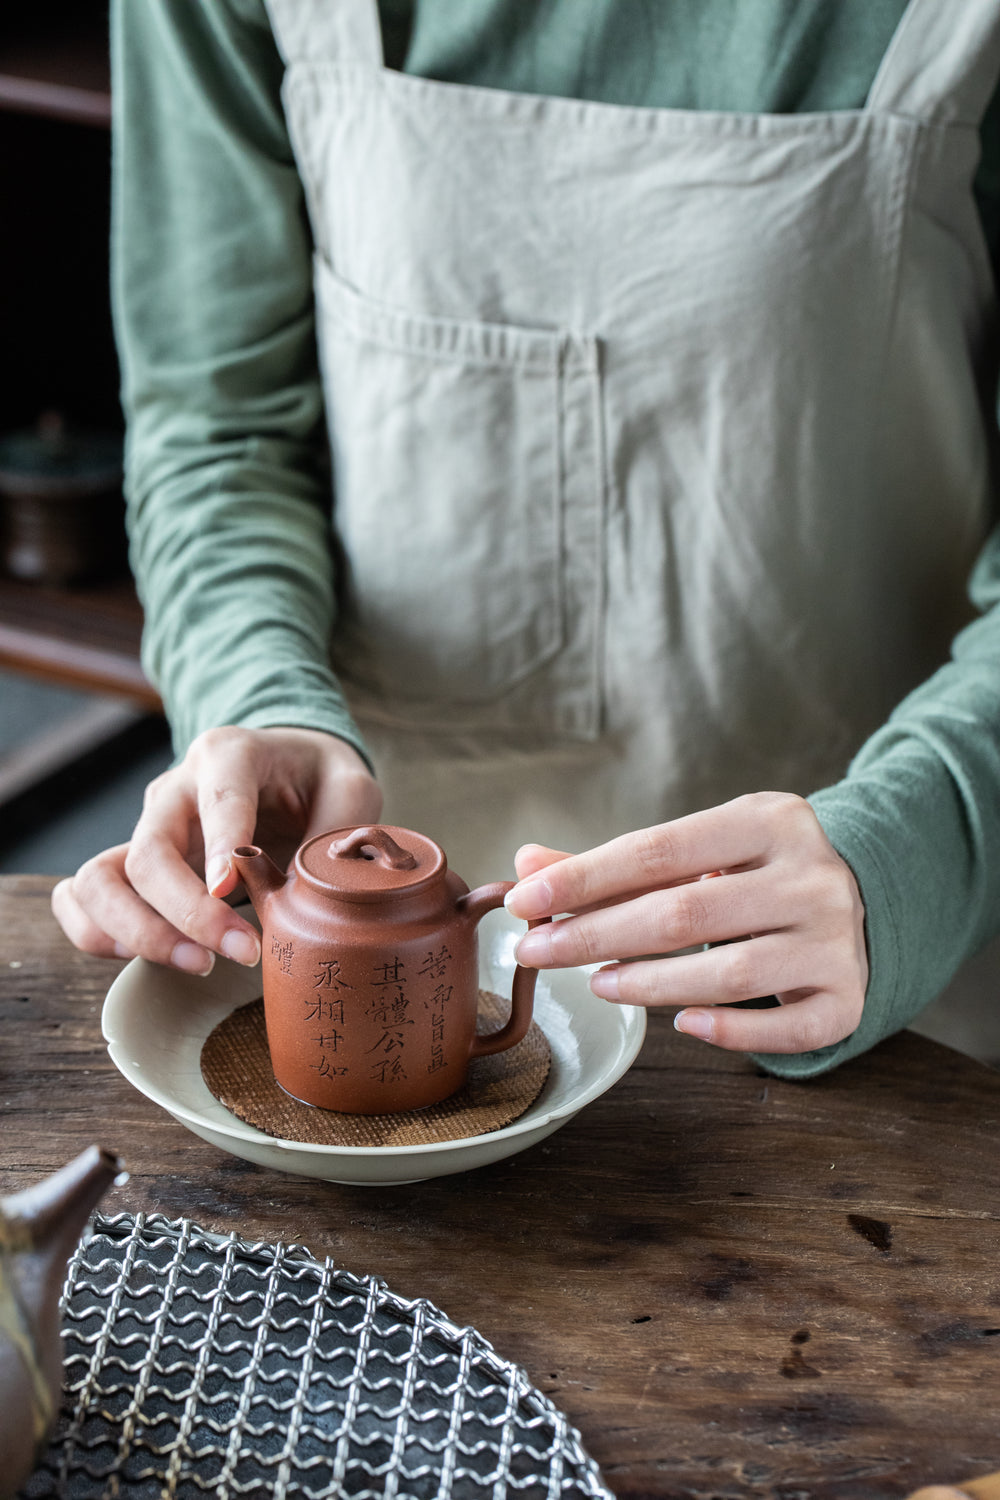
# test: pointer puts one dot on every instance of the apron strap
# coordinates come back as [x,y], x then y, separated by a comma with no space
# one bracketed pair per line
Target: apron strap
[942,64]
[346,31]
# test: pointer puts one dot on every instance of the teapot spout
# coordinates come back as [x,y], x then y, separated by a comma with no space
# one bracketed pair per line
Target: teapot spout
[259,874]
[39,1229]
[52,1214]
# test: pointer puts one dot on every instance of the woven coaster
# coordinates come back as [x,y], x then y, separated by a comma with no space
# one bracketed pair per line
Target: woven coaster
[236,1066]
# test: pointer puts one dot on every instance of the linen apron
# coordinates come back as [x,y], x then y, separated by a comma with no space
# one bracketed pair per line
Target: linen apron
[653,432]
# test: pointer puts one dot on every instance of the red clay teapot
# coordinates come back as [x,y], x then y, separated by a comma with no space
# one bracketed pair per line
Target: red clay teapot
[371,973]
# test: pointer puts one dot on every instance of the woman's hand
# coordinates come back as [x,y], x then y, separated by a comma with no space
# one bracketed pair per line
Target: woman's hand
[160,895]
[785,907]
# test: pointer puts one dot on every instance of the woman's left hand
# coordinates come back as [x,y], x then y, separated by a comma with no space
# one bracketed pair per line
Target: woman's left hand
[784,906]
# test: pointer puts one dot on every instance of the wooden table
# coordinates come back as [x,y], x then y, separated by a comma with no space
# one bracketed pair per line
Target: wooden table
[733,1286]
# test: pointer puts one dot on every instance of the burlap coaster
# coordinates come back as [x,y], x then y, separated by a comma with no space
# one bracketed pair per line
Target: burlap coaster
[236,1066]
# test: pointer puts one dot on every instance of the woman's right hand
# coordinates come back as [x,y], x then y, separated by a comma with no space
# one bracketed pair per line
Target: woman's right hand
[160,895]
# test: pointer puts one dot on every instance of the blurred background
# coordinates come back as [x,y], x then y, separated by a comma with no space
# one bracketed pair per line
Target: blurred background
[80,731]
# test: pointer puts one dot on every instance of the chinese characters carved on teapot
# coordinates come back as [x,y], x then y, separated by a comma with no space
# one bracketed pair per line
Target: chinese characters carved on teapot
[371,973]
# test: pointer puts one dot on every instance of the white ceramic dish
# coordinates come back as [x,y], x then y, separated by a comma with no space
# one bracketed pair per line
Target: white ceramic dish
[156,1021]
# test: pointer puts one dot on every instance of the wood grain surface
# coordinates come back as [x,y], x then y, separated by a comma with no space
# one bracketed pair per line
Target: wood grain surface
[733,1286]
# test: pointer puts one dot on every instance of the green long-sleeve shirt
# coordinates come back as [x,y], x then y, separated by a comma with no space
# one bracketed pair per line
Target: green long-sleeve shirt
[229,507]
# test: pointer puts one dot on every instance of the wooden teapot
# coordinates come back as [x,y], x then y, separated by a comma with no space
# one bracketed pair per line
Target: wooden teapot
[371,973]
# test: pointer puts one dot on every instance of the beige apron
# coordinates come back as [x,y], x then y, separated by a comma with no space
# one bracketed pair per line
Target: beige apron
[653,431]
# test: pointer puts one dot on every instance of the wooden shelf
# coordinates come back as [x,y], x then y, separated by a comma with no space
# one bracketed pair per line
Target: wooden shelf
[55,76]
[86,637]
[58,70]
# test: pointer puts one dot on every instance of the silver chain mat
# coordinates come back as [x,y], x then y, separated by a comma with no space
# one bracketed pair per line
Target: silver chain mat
[200,1365]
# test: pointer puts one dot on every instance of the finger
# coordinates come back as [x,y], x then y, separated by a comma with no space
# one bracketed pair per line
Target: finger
[736,834]
[313,782]
[157,870]
[941,1492]
[226,778]
[819,1020]
[82,932]
[685,916]
[739,971]
[101,901]
[531,858]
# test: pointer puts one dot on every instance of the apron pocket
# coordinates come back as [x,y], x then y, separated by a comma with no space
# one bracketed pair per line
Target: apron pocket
[467,507]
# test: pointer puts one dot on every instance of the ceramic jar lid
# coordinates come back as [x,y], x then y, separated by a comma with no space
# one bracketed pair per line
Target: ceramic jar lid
[59,461]
[364,864]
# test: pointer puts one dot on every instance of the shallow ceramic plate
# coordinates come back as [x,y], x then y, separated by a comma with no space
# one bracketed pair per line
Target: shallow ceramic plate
[156,1021]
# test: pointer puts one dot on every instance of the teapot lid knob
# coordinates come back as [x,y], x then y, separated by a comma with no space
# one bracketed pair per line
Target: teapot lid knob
[373,842]
[371,862]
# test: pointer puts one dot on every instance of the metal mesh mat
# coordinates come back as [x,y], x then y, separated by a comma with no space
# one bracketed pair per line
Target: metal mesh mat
[198,1365]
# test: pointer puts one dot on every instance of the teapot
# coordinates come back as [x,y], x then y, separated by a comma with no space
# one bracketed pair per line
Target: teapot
[370,969]
[39,1230]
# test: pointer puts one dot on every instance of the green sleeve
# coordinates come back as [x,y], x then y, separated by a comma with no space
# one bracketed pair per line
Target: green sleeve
[917,818]
[227,501]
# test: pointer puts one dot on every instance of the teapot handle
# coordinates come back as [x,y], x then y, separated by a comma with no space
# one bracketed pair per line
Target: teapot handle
[475,905]
[387,851]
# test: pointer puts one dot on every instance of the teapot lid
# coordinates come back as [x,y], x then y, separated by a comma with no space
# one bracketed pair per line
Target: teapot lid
[366,863]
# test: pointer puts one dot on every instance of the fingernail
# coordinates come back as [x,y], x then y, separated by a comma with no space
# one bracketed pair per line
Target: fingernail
[192,958]
[605,983]
[697,1023]
[241,947]
[532,898]
[218,870]
[122,952]
[533,949]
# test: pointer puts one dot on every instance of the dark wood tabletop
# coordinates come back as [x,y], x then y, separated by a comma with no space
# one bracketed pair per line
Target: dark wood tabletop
[733,1286]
